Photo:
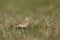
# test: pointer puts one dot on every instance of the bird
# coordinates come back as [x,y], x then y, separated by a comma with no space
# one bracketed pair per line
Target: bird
[24,23]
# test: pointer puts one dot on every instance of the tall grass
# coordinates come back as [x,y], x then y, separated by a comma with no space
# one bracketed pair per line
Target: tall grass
[44,25]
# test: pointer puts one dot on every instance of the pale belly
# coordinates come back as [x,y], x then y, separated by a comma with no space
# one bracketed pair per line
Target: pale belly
[21,25]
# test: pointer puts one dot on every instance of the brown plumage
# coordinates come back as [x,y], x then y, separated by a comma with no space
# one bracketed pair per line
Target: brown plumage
[24,22]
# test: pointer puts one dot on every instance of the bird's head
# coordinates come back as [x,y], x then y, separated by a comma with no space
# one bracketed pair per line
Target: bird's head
[27,18]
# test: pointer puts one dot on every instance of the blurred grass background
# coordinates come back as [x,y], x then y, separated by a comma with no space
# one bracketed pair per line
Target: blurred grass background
[44,25]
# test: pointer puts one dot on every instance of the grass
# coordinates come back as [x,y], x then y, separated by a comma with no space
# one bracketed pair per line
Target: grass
[44,25]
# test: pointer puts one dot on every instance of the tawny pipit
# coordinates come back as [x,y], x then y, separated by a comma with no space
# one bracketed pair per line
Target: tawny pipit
[24,23]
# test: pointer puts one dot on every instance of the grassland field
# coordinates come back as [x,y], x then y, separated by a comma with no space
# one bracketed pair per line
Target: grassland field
[44,25]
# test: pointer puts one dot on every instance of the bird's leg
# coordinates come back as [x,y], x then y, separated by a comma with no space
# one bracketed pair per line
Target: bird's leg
[22,30]
[25,28]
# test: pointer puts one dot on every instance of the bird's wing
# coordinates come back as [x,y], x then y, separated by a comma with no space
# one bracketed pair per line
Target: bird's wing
[23,22]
